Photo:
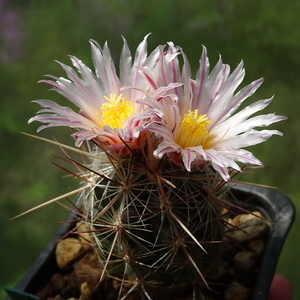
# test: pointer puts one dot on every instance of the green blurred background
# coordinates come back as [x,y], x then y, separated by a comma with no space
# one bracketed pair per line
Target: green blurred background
[34,33]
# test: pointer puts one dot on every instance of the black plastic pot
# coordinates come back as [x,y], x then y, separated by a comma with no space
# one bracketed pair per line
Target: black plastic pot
[274,205]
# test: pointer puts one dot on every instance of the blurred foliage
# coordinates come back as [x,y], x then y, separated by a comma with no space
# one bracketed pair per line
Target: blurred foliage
[265,33]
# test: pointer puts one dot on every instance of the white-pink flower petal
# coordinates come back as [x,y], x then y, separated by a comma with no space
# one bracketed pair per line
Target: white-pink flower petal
[216,134]
[99,91]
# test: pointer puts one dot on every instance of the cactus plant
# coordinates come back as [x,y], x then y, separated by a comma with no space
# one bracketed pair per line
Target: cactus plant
[162,148]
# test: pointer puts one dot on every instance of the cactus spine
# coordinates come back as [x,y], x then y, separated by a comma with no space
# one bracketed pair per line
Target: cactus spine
[156,226]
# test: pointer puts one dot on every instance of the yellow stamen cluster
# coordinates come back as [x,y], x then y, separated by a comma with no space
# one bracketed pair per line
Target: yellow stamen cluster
[193,131]
[116,110]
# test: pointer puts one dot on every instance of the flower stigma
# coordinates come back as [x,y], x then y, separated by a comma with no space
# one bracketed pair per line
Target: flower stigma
[116,110]
[193,131]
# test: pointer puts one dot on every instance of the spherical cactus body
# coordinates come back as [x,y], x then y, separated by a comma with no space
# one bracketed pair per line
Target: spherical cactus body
[157,227]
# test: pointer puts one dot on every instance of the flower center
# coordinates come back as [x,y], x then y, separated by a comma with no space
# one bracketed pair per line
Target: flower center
[193,131]
[116,110]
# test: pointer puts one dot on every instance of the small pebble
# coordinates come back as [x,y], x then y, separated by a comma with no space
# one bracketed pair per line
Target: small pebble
[245,227]
[237,291]
[58,282]
[87,272]
[256,246]
[66,251]
[85,291]
[244,260]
